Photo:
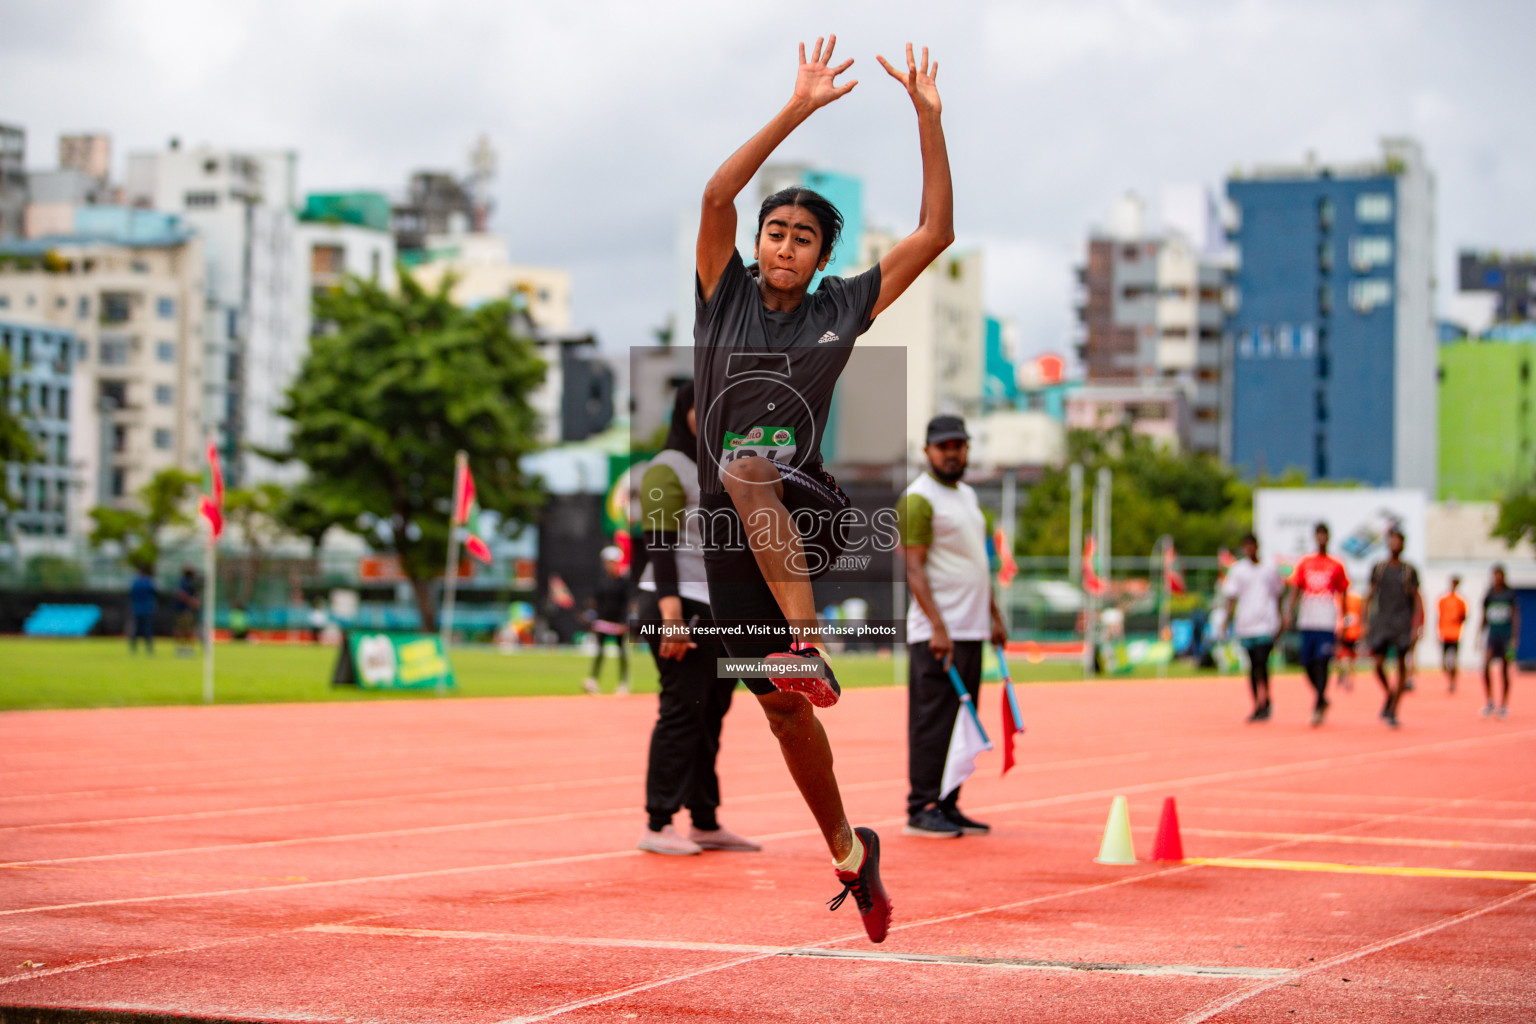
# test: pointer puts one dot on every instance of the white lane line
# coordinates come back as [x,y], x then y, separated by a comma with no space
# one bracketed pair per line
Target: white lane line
[541,819]
[1067,966]
[1217,1006]
[404,876]
[1266,771]
[1298,812]
[872,956]
[315,805]
[645,986]
[1314,798]
[1318,764]
[48,972]
[529,787]
[547,940]
[1314,765]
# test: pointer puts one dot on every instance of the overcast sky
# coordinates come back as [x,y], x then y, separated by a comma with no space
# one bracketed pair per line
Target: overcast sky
[610,116]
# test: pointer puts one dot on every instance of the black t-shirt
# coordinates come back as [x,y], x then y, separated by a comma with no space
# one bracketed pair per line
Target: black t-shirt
[763,379]
[1395,583]
[612,599]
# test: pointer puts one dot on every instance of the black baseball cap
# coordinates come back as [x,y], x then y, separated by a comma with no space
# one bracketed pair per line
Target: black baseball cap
[946,428]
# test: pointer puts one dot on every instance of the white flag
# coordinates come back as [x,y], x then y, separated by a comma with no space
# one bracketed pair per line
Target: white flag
[965,744]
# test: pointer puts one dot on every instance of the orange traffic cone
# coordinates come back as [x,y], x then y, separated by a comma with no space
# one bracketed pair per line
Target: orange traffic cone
[1168,845]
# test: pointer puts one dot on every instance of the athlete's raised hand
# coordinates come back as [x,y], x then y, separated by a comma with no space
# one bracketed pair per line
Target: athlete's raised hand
[814,84]
[918,80]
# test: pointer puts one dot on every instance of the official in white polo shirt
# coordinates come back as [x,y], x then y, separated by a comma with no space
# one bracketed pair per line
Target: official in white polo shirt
[952,615]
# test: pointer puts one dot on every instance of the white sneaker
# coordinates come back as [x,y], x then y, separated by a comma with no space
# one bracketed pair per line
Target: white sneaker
[590,685]
[668,841]
[1488,710]
[1503,711]
[622,689]
[723,839]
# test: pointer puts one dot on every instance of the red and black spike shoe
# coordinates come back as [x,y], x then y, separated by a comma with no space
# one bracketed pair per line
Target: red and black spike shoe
[868,891]
[822,690]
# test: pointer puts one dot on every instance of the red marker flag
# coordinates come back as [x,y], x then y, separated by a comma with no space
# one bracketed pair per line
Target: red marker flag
[1007,568]
[466,512]
[1172,577]
[1013,722]
[212,505]
[1092,581]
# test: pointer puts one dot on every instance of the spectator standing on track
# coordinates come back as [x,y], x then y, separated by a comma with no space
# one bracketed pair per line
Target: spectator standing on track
[1253,592]
[674,594]
[1394,615]
[1349,638]
[952,615]
[1317,583]
[143,599]
[187,603]
[1451,613]
[610,620]
[1501,627]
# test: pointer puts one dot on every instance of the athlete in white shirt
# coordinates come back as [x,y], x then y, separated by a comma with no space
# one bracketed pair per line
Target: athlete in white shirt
[1253,592]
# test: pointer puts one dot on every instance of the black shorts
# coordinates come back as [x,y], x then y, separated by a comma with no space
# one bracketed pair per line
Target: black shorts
[1500,648]
[1449,648]
[1386,643]
[738,593]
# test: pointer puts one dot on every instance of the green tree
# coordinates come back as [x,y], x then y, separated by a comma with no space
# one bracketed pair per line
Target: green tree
[16,442]
[252,511]
[1203,505]
[397,385]
[1517,514]
[140,530]
[305,512]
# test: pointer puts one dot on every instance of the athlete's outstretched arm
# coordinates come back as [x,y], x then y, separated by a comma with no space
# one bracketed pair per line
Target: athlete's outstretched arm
[814,88]
[936,219]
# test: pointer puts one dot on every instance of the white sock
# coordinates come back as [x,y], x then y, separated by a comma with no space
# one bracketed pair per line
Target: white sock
[855,856]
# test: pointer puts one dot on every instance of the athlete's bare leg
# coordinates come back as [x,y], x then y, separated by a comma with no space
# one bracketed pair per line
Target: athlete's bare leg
[809,756]
[1386,685]
[757,491]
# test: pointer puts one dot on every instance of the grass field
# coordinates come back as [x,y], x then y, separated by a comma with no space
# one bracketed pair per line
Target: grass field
[101,673]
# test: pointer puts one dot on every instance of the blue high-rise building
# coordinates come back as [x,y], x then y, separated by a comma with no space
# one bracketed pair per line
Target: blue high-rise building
[1332,336]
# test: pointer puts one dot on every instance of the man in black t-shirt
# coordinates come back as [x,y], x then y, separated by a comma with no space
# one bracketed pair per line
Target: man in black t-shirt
[767,359]
[1396,615]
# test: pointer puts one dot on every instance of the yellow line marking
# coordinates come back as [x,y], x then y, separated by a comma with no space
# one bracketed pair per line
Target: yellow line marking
[1358,869]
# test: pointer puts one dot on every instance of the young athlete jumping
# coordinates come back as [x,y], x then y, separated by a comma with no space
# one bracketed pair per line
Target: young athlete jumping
[768,355]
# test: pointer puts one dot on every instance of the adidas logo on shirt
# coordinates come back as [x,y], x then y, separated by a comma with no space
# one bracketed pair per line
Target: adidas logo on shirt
[829,336]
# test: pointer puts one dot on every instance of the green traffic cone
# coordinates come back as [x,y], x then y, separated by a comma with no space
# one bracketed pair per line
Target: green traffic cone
[1117,847]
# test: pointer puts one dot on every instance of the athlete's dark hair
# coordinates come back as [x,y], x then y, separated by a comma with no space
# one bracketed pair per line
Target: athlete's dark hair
[1248,537]
[825,213]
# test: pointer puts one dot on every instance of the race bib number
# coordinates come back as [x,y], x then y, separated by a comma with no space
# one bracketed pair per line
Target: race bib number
[776,443]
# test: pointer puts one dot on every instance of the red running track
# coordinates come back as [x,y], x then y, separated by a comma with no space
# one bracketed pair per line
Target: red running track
[474,861]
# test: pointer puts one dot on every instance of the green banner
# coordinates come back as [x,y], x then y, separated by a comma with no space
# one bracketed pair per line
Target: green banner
[389,659]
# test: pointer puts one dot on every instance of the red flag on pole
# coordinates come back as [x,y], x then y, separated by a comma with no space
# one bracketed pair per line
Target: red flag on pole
[466,512]
[1092,581]
[212,504]
[1007,568]
[1013,721]
[464,499]
[1172,577]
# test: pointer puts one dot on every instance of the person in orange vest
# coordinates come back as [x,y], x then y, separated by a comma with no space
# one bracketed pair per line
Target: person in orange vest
[1349,639]
[1452,614]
